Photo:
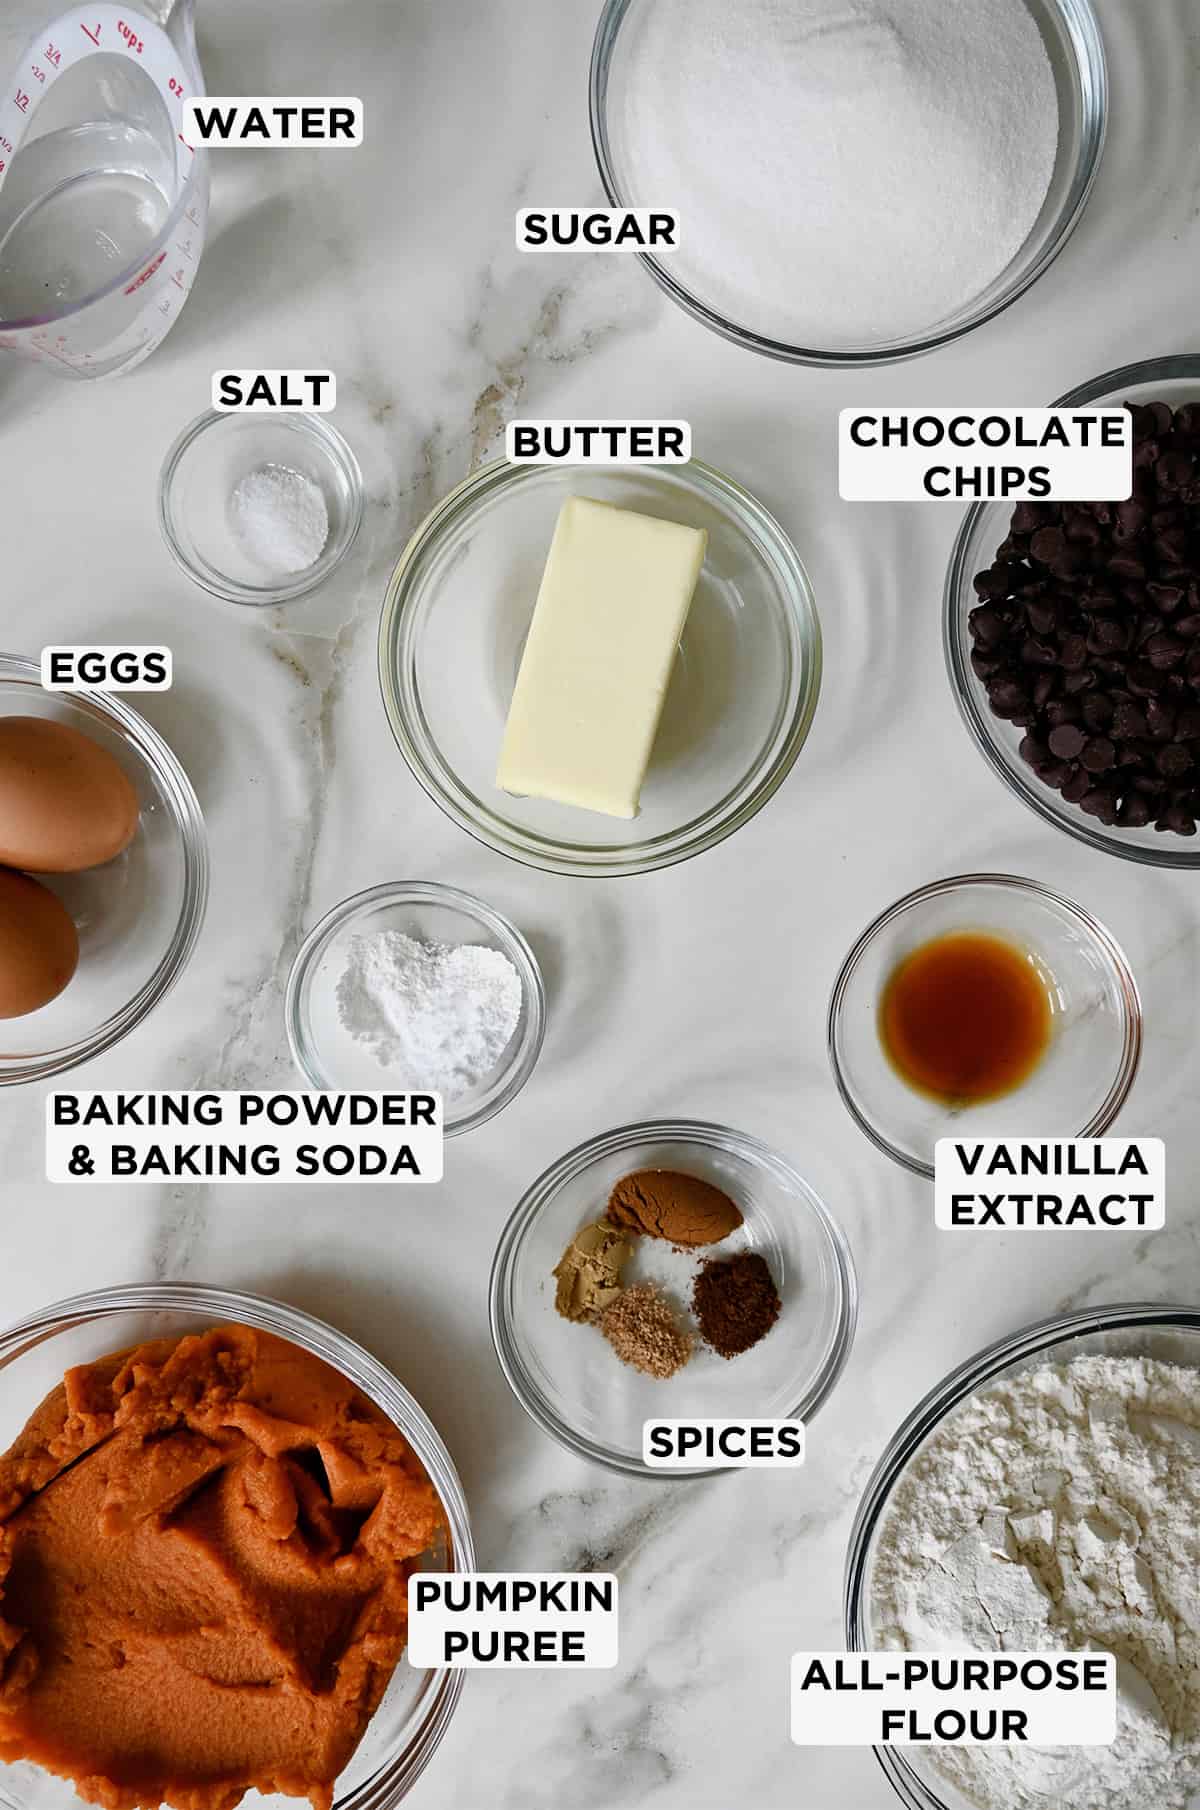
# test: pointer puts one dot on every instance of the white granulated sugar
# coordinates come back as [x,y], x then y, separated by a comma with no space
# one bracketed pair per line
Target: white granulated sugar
[1061,1510]
[845,171]
[438,1016]
[280,518]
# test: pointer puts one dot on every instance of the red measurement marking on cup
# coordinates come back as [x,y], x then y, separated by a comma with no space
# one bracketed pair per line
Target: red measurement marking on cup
[93,35]
[146,274]
[52,55]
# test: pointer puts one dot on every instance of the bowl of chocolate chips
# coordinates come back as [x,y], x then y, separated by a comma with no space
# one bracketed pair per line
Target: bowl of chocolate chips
[1072,634]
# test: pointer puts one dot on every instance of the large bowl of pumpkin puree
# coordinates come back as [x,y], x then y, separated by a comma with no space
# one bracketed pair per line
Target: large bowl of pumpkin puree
[210,1508]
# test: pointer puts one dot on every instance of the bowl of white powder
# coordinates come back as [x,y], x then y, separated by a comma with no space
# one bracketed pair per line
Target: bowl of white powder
[260,508]
[416,986]
[1046,1497]
[857,181]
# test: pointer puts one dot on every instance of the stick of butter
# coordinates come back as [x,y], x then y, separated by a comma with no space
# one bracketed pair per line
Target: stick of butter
[613,601]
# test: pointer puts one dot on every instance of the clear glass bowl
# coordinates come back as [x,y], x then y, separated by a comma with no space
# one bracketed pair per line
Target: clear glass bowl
[741,698]
[416,1710]
[1076,49]
[1175,380]
[201,472]
[566,1376]
[328,1058]
[1082,1081]
[1170,1334]
[138,916]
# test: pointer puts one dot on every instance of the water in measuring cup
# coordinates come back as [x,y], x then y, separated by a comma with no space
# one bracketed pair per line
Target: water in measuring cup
[80,206]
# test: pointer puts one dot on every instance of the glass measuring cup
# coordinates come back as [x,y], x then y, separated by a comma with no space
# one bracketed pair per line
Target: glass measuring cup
[103,208]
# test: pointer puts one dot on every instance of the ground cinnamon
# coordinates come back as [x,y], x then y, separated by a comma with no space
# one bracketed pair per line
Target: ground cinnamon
[735,1301]
[663,1203]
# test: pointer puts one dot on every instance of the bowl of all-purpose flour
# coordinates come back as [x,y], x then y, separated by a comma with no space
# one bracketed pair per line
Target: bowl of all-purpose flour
[1046,1497]
[855,180]
[416,986]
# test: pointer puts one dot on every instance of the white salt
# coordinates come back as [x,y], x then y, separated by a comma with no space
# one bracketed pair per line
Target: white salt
[280,518]
[846,171]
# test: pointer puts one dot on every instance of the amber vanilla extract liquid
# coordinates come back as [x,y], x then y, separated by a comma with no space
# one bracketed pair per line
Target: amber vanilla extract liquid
[965,1018]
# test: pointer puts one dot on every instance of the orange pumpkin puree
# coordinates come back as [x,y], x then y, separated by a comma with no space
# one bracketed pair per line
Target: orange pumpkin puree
[205,1546]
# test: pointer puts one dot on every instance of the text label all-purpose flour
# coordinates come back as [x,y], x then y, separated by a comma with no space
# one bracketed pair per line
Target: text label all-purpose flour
[844,171]
[1061,1509]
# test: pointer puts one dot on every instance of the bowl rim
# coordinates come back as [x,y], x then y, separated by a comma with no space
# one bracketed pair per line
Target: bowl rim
[578,860]
[1170,368]
[395,1779]
[1082,28]
[175,784]
[525,1049]
[930,1412]
[573,1162]
[1098,933]
[333,444]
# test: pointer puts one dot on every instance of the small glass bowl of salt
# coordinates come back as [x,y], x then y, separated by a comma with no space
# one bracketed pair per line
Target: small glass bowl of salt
[416,986]
[259,509]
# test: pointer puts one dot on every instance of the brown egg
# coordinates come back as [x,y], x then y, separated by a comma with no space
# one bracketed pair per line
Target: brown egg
[65,803]
[39,945]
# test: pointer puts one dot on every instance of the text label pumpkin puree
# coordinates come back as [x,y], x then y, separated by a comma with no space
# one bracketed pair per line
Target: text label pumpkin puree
[205,1547]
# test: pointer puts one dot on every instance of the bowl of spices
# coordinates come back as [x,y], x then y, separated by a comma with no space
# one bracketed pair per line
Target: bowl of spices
[980,1003]
[412,985]
[259,509]
[669,1269]
[1072,635]
[855,184]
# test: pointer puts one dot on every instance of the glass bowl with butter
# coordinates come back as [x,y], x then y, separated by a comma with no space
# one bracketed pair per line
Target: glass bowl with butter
[741,678]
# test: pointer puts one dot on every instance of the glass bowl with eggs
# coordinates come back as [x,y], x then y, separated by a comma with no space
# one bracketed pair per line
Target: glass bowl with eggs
[103,873]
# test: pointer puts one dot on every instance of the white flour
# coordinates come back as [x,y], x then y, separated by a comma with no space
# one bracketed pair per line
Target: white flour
[844,170]
[1062,1510]
[437,1016]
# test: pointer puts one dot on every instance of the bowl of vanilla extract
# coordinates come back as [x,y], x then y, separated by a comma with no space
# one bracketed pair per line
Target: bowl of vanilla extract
[983,1004]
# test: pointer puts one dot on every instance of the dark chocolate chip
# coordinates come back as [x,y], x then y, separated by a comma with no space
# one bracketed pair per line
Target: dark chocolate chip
[1134,811]
[1099,755]
[1173,761]
[1067,741]
[1160,720]
[1129,721]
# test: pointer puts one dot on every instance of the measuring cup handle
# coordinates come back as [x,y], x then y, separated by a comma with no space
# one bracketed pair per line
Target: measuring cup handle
[178,20]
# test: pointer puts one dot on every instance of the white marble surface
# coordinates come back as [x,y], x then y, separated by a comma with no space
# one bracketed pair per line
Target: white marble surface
[698,991]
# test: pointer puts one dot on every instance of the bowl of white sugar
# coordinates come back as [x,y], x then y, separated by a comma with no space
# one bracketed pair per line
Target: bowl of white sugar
[414,986]
[1043,1500]
[857,181]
